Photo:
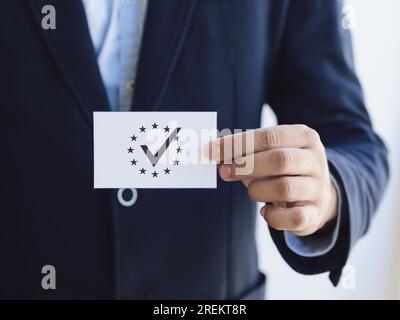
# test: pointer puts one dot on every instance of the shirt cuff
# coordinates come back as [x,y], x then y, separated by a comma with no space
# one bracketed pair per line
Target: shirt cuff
[320,243]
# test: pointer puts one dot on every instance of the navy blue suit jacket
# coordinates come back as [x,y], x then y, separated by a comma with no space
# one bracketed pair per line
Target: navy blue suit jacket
[229,56]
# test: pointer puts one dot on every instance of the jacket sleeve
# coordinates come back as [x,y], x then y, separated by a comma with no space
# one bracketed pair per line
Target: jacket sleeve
[314,83]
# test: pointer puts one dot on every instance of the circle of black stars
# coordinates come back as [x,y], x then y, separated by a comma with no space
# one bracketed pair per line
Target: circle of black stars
[134,162]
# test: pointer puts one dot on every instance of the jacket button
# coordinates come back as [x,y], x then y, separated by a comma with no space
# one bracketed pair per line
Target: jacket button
[127,197]
[130,85]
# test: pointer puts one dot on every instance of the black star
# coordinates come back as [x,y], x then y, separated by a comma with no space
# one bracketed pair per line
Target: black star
[142,129]
[133,162]
[130,150]
[133,138]
[142,171]
[155,125]
[167,171]
[179,150]
[176,163]
[166,129]
[155,174]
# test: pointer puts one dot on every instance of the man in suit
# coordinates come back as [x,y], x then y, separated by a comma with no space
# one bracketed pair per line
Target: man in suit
[320,173]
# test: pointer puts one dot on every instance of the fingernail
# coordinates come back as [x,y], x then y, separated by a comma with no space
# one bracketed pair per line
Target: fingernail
[226,171]
[262,212]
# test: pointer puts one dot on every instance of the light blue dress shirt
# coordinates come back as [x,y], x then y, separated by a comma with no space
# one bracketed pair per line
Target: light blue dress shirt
[116,28]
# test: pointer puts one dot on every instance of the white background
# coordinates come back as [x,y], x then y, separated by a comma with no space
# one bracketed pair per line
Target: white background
[376,258]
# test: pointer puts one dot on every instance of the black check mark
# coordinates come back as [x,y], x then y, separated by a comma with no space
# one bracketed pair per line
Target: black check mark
[154,158]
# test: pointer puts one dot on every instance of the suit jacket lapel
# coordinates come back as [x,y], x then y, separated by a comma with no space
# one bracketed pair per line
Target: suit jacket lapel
[165,30]
[71,47]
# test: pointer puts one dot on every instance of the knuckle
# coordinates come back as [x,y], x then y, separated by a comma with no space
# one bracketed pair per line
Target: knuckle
[269,138]
[284,160]
[314,136]
[310,134]
[285,188]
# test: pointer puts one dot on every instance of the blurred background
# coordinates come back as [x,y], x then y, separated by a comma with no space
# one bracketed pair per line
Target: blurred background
[373,270]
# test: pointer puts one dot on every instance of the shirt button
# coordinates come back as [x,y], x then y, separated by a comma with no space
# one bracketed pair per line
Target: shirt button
[127,197]
[130,85]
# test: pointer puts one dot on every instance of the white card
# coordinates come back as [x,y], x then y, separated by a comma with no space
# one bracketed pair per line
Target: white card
[153,150]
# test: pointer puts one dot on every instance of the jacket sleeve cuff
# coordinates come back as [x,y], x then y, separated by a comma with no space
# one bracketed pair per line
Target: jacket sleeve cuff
[335,258]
